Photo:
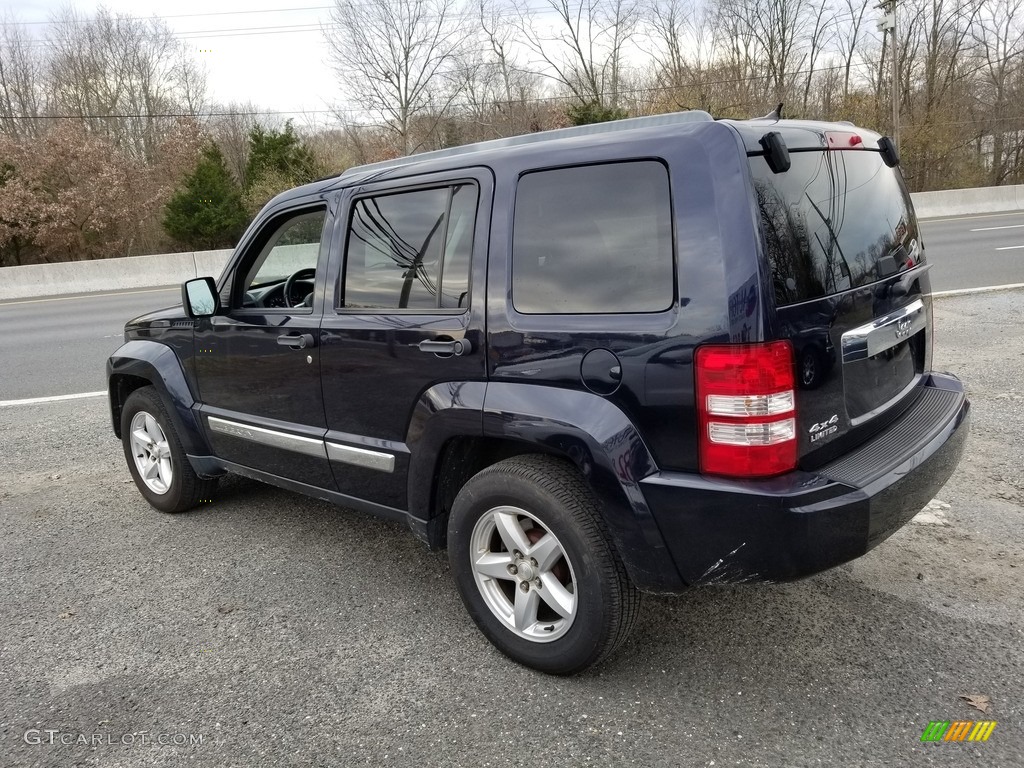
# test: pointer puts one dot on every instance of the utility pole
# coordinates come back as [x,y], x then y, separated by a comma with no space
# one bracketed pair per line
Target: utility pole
[888,24]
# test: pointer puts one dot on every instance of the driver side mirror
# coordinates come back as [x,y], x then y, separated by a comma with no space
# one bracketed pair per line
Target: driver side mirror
[199,297]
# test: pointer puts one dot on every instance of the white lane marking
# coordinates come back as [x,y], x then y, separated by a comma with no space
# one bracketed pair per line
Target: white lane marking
[987,288]
[53,399]
[989,229]
[972,216]
[1010,247]
[86,296]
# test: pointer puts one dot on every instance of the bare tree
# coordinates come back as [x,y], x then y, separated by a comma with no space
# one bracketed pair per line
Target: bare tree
[399,59]
[20,81]
[696,64]
[821,28]
[849,35]
[934,37]
[584,51]
[499,96]
[229,126]
[126,78]
[671,24]
[772,38]
[738,32]
[999,48]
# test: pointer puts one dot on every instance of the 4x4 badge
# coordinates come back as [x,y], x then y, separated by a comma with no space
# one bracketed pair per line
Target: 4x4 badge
[825,428]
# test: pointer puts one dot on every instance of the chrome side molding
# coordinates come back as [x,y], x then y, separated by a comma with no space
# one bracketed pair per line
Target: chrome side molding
[883,333]
[361,457]
[346,454]
[306,445]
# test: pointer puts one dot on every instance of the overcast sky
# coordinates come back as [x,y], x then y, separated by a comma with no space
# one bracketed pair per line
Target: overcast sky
[270,52]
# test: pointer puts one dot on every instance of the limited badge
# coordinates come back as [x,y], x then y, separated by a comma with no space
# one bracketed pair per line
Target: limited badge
[824,428]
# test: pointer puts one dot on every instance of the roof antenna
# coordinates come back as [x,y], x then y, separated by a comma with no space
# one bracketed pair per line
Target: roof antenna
[775,114]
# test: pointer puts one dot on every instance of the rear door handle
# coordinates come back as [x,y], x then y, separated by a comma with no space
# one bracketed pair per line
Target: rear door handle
[297,341]
[457,347]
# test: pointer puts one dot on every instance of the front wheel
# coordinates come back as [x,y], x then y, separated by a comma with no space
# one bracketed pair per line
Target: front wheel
[155,457]
[535,568]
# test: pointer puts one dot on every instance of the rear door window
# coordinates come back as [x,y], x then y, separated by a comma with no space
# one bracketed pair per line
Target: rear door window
[593,239]
[835,220]
[411,250]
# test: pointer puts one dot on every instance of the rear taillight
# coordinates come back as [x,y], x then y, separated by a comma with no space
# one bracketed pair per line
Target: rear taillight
[746,401]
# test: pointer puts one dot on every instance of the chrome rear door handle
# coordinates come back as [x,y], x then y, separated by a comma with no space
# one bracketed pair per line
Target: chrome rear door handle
[457,347]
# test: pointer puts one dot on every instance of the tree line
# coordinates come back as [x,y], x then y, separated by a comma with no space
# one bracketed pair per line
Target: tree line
[110,146]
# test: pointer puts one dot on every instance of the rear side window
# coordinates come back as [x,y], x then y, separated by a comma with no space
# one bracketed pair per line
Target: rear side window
[593,239]
[411,250]
[834,221]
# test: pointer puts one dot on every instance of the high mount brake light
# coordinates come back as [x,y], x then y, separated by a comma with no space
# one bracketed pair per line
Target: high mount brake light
[843,140]
[746,402]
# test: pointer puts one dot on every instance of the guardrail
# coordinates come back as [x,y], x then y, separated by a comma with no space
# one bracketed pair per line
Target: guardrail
[172,268]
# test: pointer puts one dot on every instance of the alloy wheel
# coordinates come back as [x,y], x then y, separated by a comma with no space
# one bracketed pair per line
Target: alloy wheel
[151,452]
[523,574]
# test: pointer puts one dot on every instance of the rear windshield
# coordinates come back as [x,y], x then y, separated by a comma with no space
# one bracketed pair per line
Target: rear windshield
[835,220]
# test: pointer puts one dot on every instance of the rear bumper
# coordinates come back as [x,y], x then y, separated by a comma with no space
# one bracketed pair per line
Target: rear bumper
[723,531]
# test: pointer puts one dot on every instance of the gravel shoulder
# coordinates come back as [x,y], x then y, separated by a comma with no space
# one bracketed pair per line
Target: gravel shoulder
[289,632]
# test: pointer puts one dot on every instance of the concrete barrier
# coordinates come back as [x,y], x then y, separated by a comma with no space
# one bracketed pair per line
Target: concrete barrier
[172,268]
[96,276]
[967,202]
[211,263]
[102,275]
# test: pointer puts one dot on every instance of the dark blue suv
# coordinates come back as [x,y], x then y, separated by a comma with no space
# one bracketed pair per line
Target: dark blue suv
[631,357]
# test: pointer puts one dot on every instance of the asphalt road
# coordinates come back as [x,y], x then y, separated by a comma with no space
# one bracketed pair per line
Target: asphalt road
[975,251]
[282,631]
[59,346]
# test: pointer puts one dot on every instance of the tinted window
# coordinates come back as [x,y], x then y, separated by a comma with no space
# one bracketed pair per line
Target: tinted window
[459,247]
[411,250]
[833,221]
[593,239]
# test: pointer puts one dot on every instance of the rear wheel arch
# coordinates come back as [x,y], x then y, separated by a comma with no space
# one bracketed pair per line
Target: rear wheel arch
[462,458]
[459,460]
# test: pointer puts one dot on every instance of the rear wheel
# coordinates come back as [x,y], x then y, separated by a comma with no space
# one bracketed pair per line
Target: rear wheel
[535,568]
[155,456]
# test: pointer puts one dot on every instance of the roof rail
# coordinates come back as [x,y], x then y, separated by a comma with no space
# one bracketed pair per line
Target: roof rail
[612,126]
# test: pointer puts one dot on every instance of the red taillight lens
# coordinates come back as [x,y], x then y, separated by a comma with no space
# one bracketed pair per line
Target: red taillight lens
[746,402]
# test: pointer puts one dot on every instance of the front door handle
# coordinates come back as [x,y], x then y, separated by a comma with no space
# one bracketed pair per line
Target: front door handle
[297,341]
[457,347]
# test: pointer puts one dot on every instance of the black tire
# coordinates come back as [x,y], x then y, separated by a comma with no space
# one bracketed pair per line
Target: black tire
[185,488]
[554,497]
